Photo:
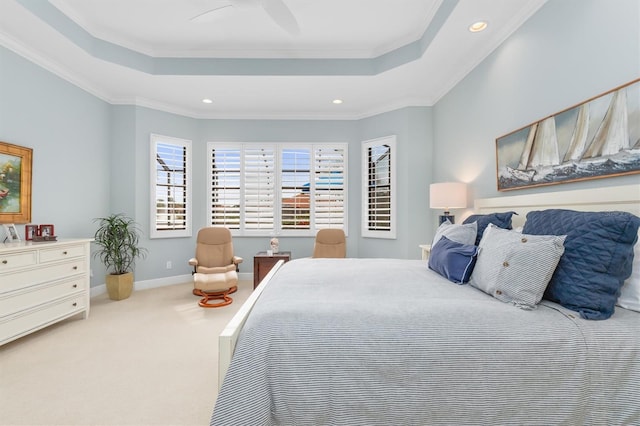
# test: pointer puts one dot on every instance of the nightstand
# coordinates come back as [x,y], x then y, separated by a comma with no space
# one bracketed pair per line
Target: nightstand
[426,251]
[263,262]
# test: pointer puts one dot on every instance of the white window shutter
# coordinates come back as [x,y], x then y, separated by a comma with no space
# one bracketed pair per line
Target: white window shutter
[225,187]
[378,188]
[171,179]
[329,187]
[259,188]
[281,189]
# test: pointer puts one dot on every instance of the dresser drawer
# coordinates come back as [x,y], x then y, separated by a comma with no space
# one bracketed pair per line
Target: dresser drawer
[11,261]
[28,297]
[61,253]
[41,274]
[31,320]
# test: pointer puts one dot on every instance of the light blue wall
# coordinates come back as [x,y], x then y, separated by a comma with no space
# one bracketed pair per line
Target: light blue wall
[568,52]
[69,131]
[411,125]
[92,158]
[176,250]
[413,128]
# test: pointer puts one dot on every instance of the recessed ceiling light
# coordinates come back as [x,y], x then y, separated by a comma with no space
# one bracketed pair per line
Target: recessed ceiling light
[207,101]
[478,26]
[337,101]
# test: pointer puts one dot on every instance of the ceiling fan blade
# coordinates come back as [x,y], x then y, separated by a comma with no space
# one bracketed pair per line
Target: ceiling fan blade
[281,15]
[213,14]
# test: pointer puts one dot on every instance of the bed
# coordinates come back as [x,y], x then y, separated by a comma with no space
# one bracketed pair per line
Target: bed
[389,341]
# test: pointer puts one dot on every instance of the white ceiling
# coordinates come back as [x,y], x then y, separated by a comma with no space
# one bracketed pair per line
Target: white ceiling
[376,55]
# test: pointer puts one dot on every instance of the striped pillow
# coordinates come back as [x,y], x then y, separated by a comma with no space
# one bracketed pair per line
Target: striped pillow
[463,234]
[516,268]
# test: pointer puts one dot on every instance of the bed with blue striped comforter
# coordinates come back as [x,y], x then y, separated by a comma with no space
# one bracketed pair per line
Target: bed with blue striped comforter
[389,342]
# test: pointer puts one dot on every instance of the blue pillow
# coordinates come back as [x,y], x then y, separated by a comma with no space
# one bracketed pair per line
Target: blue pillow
[597,258]
[452,260]
[501,220]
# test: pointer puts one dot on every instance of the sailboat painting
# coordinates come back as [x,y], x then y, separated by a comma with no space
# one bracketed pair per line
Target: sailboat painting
[596,139]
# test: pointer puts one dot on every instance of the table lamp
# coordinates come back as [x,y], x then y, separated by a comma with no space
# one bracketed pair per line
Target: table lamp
[447,195]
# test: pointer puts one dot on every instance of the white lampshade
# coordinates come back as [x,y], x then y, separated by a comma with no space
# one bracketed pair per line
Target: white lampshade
[448,195]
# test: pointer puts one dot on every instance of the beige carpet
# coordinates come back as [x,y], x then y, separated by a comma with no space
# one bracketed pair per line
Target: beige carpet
[147,360]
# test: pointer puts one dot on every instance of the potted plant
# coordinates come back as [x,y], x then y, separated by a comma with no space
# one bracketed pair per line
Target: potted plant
[118,237]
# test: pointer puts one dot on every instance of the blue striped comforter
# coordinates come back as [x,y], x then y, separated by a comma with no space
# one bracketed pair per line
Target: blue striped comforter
[389,342]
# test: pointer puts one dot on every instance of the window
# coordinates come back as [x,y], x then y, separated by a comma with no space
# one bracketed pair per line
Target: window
[225,187]
[278,189]
[378,190]
[295,175]
[171,180]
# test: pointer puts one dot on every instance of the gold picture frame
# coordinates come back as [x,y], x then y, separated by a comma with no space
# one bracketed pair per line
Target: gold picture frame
[15,183]
[595,139]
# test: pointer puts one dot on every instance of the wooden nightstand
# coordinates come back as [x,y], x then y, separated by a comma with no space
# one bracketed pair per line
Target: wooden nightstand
[262,264]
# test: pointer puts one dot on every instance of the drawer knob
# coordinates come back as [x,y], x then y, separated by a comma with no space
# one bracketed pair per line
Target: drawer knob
[5,261]
[64,252]
[75,286]
[75,304]
[75,268]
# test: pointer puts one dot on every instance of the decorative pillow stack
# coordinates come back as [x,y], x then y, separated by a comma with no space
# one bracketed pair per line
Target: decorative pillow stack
[514,267]
[598,257]
[501,220]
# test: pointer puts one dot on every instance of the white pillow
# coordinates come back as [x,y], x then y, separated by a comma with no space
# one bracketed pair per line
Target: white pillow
[516,268]
[463,234]
[630,293]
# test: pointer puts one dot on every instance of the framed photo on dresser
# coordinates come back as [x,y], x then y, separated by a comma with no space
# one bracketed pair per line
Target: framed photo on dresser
[12,233]
[46,231]
[31,231]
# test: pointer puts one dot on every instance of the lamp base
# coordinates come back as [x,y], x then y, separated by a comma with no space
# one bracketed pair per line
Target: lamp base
[444,217]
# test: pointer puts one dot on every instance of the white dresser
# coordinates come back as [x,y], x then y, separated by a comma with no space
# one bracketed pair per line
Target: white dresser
[42,283]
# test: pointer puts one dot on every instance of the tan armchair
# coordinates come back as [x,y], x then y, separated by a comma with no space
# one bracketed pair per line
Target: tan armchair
[330,243]
[215,267]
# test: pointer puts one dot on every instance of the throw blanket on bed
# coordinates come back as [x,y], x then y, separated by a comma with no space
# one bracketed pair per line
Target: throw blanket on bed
[382,342]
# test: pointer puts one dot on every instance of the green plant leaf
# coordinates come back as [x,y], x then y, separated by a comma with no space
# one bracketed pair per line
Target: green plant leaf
[118,238]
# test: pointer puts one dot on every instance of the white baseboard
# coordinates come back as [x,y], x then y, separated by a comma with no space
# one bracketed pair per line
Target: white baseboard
[161,282]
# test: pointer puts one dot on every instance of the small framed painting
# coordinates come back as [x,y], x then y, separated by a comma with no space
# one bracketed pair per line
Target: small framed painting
[46,231]
[31,231]
[12,233]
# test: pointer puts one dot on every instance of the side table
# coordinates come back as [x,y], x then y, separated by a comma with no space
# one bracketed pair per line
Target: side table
[426,251]
[263,262]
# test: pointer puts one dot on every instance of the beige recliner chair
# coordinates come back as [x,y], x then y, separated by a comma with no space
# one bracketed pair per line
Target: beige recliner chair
[215,268]
[330,243]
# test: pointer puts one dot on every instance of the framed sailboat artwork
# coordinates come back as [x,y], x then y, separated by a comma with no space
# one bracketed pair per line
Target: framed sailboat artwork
[596,139]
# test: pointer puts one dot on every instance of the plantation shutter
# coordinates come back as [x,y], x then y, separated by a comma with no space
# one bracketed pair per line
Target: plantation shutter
[278,189]
[170,177]
[378,190]
[259,188]
[225,187]
[295,184]
[329,187]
